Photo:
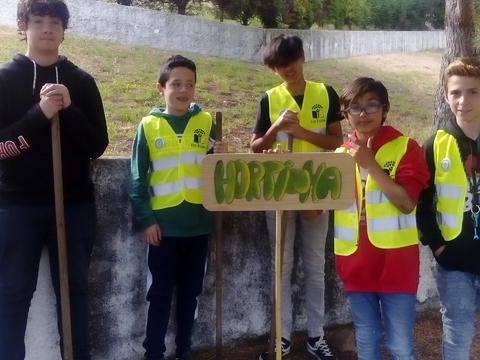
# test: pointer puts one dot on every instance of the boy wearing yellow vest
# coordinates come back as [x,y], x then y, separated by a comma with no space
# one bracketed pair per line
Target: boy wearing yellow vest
[309,112]
[376,241]
[448,211]
[166,195]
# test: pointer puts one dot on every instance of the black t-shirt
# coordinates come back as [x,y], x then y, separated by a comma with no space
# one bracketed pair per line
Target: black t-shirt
[263,121]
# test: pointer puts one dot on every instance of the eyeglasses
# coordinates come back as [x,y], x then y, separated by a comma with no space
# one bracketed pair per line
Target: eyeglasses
[371,108]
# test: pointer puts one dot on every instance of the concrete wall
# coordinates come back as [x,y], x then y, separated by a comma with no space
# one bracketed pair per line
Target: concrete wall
[119,282]
[133,25]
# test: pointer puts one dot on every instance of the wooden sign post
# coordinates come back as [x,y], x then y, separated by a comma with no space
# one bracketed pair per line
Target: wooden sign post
[219,262]
[284,181]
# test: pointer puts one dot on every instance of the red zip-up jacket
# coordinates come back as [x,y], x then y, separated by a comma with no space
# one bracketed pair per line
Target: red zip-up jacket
[371,269]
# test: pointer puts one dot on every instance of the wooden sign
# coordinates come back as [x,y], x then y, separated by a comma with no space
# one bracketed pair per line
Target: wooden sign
[287,181]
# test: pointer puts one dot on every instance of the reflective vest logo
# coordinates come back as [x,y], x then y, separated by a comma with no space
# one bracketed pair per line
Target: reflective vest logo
[388,167]
[198,134]
[446,164]
[318,114]
[159,143]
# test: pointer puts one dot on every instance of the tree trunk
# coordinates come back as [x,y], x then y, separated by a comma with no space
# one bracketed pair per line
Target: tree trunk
[182,10]
[459,32]
[182,6]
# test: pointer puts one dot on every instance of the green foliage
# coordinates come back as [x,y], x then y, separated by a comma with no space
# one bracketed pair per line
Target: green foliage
[300,14]
[400,15]
[303,14]
[350,13]
[268,12]
[242,10]
[435,15]
[222,5]
[178,6]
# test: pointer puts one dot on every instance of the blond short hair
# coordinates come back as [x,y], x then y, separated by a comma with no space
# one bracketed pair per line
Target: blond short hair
[463,66]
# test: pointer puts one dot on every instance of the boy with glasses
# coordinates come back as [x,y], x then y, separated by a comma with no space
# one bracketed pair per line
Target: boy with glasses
[376,242]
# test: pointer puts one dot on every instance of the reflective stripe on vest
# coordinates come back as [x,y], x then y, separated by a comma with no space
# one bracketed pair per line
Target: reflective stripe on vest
[387,227]
[175,169]
[312,115]
[450,183]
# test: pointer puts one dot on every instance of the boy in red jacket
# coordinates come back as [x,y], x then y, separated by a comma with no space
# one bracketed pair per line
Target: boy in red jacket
[376,242]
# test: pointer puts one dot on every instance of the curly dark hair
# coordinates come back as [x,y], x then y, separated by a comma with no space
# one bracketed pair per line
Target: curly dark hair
[53,8]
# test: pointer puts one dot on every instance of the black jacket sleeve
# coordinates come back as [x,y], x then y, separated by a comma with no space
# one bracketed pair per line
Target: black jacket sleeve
[22,122]
[429,231]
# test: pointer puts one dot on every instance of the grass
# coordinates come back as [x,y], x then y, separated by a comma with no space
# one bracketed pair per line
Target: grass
[126,77]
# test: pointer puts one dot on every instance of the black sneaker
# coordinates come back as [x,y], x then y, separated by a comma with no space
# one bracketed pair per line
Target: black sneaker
[285,350]
[318,347]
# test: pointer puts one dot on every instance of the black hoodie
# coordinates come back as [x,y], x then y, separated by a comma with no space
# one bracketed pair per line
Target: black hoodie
[26,171]
[463,252]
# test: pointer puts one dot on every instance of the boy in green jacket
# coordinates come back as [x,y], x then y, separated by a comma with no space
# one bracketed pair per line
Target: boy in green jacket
[166,195]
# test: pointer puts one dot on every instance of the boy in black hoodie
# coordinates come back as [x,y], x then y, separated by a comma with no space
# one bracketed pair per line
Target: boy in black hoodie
[448,211]
[33,88]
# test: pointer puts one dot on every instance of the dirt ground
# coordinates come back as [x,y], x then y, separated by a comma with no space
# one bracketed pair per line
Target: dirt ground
[427,62]
[427,333]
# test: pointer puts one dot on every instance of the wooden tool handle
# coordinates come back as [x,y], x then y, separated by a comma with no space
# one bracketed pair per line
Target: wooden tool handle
[61,239]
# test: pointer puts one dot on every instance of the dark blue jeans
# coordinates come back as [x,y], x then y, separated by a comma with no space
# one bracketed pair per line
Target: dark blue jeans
[178,262]
[24,232]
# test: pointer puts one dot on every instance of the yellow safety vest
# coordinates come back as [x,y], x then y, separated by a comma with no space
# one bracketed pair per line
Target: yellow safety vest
[387,227]
[175,170]
[450,184]
[312,115]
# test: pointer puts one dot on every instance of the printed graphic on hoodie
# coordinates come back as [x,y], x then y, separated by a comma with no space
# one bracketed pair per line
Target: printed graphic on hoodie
[470,165]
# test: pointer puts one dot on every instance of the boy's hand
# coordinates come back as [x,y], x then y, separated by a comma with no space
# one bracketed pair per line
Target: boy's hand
[152,235]
[288,120]
[53,98]
[362,153]
[220,147]
[439,251]
[275,151]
